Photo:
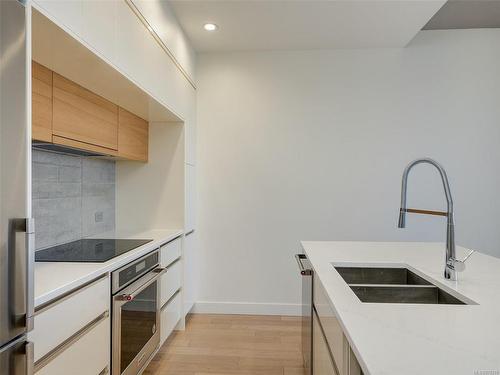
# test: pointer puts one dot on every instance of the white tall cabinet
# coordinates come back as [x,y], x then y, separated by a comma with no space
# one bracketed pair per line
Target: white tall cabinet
[114,32]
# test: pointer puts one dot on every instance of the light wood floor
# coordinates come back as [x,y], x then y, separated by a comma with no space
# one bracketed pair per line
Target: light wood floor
[232,344]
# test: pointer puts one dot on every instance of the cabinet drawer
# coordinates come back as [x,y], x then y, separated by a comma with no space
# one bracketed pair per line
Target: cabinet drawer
[170,252]
[170,315]
[331,326]
[89,355]
[57,322]
[322,360]
[170,282]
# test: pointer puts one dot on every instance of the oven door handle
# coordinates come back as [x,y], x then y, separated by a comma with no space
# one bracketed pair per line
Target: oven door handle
[153,276]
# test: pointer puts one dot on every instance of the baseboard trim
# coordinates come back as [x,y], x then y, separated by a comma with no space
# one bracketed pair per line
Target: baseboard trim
[247,308]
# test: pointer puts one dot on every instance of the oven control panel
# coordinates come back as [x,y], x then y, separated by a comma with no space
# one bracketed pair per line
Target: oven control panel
[132,271]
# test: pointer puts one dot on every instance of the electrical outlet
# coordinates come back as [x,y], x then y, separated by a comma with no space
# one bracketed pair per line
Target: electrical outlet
[98,216]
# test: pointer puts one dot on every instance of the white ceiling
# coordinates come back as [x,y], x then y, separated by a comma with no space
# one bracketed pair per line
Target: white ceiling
[307,24]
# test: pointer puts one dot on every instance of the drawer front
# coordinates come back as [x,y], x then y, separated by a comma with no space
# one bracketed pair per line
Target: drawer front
[87,356]
[170,282]
[331,326]
[170,315]
[322,361]
[170,252]
[64,318]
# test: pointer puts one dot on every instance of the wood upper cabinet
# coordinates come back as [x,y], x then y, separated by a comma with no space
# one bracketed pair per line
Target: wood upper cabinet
[81,115]
[68,114]
[133,134]
[41,102]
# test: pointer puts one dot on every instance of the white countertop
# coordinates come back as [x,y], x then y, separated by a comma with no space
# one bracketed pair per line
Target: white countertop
[395,339]
[53,279]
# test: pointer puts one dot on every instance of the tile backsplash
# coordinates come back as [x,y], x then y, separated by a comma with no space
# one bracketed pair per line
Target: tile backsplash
[73,197]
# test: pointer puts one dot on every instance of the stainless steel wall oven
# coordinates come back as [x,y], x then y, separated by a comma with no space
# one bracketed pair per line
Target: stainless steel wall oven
[136,314]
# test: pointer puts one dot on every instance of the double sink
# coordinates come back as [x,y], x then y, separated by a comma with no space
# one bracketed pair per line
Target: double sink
[394,285]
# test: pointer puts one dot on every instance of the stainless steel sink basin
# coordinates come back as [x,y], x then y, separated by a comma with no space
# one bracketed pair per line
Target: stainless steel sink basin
[394,285]
[428,294]
[382,275]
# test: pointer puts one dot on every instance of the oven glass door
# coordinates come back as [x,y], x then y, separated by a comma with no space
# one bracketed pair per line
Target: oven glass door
[138,324]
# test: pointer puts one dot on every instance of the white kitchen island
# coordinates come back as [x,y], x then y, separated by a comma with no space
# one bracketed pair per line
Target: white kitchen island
[400,338]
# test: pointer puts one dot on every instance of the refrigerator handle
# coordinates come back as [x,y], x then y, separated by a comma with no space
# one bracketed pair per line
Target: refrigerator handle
[27,226]
[30,272]
[30,358]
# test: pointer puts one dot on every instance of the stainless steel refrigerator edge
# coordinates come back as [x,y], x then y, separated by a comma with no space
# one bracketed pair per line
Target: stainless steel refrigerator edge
[16,229]
[306,272]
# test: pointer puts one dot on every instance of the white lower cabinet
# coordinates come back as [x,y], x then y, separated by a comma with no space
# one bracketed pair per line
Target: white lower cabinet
[170,285]
[170,282]
[170,316]
[89,355]
[72,333]
[322,361]
[170,252]
[343,359]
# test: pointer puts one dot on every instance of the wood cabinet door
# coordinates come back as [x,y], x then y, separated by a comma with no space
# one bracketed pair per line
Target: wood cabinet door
[83,116]
[41,97]
[133,133]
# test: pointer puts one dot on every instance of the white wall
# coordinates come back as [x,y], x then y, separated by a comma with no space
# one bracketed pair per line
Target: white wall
[311,146]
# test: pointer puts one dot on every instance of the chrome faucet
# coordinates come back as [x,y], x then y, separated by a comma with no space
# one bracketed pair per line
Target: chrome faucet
[452,265]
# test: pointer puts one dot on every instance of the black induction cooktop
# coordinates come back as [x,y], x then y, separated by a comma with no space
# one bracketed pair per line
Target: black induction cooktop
[88,250]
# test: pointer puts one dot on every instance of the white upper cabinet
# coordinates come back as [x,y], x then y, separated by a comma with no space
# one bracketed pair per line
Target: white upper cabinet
[99,28]
[130,44]
[112,30]
[67,13]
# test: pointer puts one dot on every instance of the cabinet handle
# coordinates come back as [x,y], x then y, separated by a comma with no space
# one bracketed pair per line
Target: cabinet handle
[104,371]
[54,353]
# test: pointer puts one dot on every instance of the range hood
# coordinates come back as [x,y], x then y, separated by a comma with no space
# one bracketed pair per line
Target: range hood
[64,149]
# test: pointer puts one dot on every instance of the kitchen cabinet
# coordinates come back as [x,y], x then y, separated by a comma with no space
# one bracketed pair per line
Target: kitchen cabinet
[41,102]
[170,252]
[86,356]
[81,115]
[67,114]
[171,282]
[132,136]
[72,333]
[342,356]
[114,32]
[68,13]
[322,361]
[170,287]
[100,32]
[169,317]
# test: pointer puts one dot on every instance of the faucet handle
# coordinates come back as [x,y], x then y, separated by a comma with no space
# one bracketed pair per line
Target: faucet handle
[459,265]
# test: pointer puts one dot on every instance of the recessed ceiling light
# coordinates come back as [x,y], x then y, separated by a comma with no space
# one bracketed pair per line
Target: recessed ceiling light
[210,26]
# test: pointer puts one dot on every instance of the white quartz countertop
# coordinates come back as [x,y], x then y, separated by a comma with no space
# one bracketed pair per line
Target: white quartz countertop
[53,279]
[395,339]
